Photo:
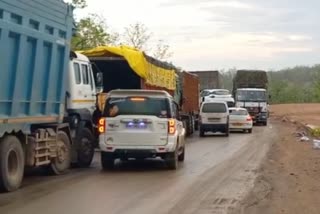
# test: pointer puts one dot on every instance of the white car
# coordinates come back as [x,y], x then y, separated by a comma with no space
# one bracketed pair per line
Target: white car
[240,119]
[214,117]
[141,124]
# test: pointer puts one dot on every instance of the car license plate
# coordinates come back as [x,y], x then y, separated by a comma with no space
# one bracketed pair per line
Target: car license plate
[214,119]
[237,124]
[131,125]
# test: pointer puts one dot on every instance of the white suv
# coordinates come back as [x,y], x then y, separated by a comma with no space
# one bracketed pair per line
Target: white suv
[214,117]
[141,124]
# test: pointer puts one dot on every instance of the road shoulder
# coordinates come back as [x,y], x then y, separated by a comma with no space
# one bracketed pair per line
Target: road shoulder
[288,180]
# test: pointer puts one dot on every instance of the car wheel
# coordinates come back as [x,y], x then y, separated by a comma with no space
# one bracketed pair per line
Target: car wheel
[181,156]
[250,130]
[227,131]
[201,132]
[107,161]
[172,160]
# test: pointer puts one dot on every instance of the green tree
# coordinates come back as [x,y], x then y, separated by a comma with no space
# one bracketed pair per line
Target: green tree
[92,32]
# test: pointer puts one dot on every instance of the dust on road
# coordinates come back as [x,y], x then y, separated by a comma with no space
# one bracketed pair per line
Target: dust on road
[217,174]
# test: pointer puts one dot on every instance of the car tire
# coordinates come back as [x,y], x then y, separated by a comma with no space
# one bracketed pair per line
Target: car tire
[250,131]
[182,155]
[172,160]
[201,132]
[227,131]
[11,164]
[107,161]
[265,123]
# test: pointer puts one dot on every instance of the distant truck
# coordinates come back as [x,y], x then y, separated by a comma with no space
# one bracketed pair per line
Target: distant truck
[209,79]
[122,67]
[250,90]
[47,94]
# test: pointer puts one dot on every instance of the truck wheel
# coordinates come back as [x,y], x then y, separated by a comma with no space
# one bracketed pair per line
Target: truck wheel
[172,160]
[107,161]
[11,164]
[196,125]
[85,148]
[60,164]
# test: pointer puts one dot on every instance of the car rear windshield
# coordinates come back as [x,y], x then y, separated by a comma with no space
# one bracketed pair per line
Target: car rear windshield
[137,106]
[238,112]
[214,108]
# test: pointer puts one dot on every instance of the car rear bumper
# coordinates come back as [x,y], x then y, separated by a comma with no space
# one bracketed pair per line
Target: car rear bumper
[170,146]
[136,153]
[213,127]
[244,126]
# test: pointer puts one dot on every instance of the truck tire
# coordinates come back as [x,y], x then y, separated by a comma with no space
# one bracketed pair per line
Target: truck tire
[107,161]
[172,160]
[196,125]
[11,164]
[85,148]
[61,163]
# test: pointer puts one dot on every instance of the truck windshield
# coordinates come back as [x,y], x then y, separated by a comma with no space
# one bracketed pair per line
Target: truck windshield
[137,106]
[214,108]
[253,96]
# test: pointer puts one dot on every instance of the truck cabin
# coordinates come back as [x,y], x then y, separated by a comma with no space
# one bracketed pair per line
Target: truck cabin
[251,95]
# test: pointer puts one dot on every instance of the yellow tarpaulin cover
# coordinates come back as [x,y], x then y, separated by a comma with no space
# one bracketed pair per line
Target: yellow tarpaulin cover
[152,74]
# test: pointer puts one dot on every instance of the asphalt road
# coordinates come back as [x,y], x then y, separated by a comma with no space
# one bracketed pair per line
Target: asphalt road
[218,172]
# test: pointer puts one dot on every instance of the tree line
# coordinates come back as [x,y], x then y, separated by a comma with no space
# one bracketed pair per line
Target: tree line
[93,31]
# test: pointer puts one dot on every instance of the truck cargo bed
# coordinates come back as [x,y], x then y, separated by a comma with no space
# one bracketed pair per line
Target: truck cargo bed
[34,41]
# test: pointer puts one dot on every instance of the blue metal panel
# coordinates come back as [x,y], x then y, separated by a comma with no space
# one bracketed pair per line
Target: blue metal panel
[34,40]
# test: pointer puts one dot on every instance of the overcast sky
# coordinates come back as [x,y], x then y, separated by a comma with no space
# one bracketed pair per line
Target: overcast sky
[217,34]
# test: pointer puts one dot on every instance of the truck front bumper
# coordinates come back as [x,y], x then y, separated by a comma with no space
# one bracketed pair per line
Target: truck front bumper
[260,117]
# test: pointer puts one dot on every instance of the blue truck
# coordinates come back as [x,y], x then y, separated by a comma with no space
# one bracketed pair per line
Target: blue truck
[36,128]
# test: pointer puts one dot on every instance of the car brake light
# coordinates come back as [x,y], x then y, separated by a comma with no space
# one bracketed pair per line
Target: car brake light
[137,99]
[171,126]
[249,118]
[102,125]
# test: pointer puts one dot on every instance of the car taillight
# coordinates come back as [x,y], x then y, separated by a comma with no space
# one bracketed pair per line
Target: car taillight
[249,118]
[171,126]
[102,125]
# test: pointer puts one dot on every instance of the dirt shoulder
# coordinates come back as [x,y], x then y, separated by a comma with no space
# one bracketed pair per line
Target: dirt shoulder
[304,113]
[288,180]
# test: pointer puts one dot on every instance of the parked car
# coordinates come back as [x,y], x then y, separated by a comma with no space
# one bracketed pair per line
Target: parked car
[141,124]
[214,117]
[240,119]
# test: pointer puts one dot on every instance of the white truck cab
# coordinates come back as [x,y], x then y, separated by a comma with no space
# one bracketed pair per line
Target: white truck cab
[141,124]
[79,107]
